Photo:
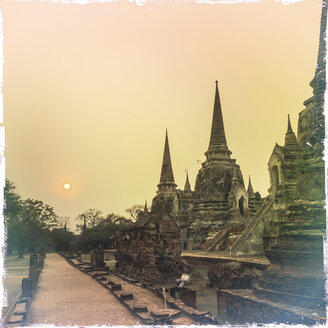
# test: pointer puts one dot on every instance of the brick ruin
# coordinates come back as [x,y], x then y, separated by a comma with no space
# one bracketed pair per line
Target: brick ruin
[151,248]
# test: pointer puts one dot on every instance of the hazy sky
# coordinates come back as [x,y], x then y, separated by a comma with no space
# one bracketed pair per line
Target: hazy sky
[90,89]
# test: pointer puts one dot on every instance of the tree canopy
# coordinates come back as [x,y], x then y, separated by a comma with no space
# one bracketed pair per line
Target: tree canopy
[100,229]
[134,212]
[28,221]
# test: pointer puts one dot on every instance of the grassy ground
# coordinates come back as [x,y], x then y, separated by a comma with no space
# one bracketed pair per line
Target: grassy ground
[16,270]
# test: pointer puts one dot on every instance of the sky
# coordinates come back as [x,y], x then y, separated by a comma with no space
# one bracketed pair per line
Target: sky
[90,89]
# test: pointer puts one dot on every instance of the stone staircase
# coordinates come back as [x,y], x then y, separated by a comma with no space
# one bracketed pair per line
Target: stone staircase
[236,247]
[214,239]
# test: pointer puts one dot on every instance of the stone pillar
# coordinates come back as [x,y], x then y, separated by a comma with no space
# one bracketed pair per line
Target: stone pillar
[93,257]
[34,260]
[100,258]
[188,297]
[34,269]
[27,287]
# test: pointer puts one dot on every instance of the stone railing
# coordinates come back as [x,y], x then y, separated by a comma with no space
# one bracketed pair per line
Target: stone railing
[253,224]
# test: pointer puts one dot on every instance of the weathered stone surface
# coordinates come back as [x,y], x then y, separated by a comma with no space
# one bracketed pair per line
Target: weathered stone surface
[97,257]
[150,249]
[233,275]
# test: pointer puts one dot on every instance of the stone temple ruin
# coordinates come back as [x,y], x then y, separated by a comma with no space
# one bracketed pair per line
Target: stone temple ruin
[287,226]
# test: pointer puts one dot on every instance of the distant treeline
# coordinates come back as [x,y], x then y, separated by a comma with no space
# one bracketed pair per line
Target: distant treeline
[31,224]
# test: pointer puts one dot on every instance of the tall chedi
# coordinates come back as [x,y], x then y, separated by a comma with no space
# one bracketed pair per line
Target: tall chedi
[166,198]
[311,126]
[221,199]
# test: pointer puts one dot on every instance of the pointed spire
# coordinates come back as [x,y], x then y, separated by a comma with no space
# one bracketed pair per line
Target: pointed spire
[187,184]
[217,139]
[250,189]
[289,126]
[167,172]
[290,138]
[321,58]
[146,207]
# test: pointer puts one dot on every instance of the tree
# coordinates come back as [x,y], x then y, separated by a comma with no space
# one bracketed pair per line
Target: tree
[63,240]
[28,222]
[13,206]
[40,214]
[16,228]
[134,212]
[63,222]
[104,232]
[90,218]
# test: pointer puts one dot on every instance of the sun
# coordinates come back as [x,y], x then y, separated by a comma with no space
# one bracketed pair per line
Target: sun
[67,186]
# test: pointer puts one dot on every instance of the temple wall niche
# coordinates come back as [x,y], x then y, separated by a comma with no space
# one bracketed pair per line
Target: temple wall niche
[276,170]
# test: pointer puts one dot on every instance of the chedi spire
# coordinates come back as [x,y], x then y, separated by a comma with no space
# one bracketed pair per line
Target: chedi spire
[217,139]
[167,178]
[250,189]
[218,142]
[187,184]
[290,138]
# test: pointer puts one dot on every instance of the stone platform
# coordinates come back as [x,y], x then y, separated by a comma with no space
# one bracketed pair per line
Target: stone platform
[244,306]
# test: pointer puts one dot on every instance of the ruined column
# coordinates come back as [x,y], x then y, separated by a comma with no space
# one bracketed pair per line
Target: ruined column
[27,287]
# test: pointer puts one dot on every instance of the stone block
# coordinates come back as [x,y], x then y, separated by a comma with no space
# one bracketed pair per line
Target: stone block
[16,319]
[188,296]
[116,287]
[126,296]
[34,260]
[27,287]
[20,308]
[140,309]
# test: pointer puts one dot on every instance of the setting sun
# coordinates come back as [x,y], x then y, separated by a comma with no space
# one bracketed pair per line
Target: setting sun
[67,186]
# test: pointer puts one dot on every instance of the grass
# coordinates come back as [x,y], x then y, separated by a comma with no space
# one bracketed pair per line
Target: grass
[16,270]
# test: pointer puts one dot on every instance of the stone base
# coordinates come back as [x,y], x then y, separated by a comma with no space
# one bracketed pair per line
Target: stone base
[241,306]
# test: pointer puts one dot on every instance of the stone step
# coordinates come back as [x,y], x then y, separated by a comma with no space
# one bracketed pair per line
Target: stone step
[16,318]
[292,254]
[298,243]
[245,307]
[126,296]
[303,233]
[303,226]
[116,287]
[311,291]
[302,301]
[20,308]
[140,309]
[294,279]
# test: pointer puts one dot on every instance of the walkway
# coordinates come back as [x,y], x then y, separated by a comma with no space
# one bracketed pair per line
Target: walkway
[65,296]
